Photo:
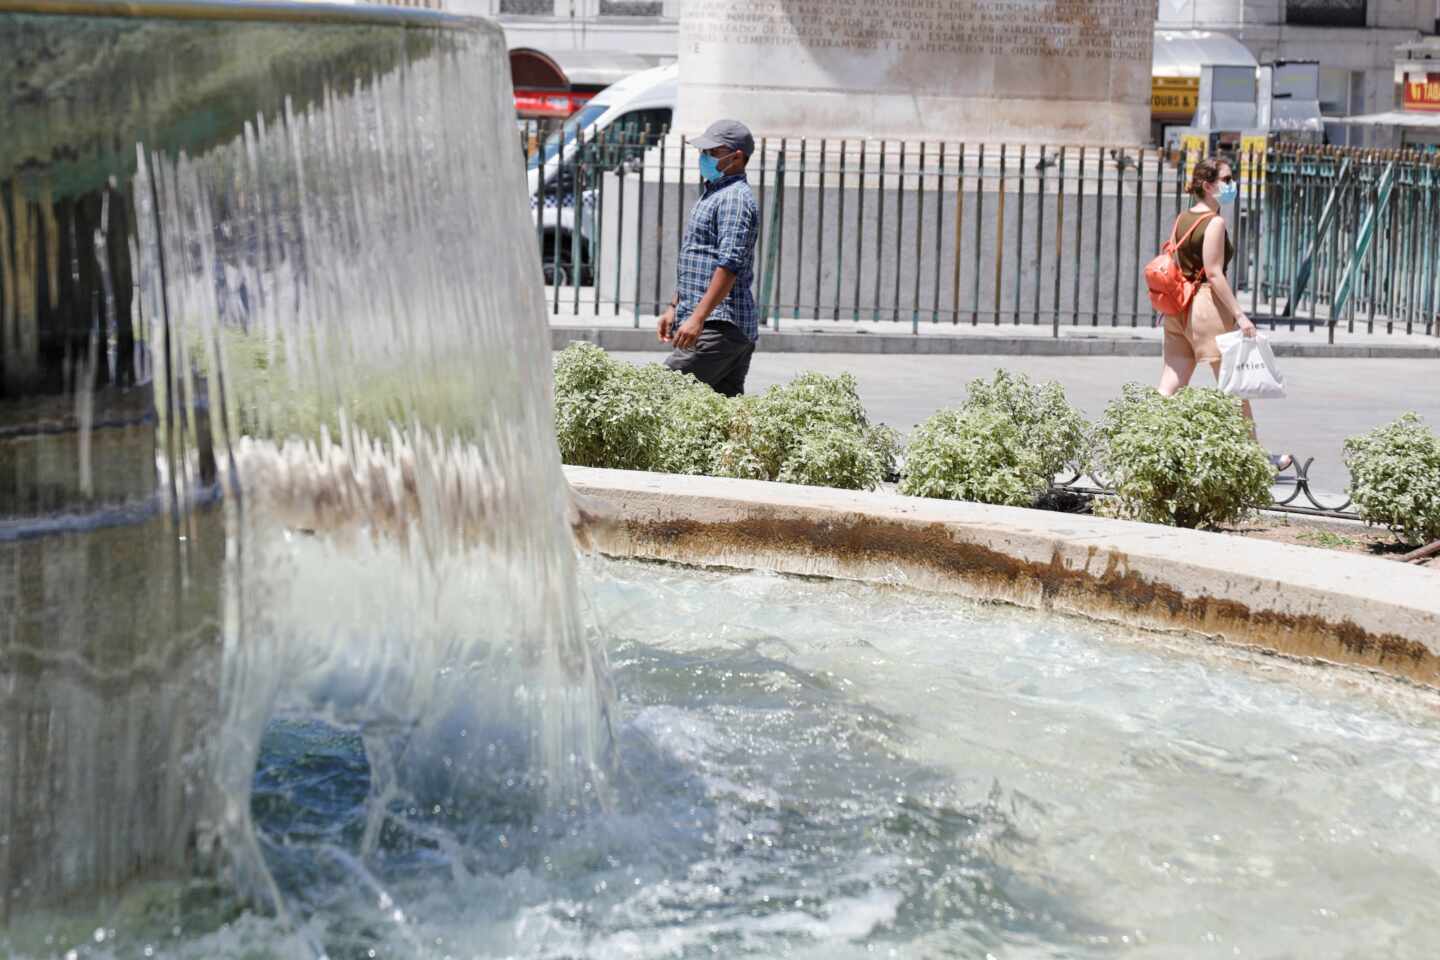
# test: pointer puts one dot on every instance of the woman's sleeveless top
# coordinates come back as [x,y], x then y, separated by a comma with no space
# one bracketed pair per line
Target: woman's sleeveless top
[1191,255]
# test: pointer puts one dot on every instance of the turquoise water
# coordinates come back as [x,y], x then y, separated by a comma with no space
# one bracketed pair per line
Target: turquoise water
[811,769]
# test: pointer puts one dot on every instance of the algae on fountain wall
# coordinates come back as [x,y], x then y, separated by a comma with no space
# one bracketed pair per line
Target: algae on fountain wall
[79,95]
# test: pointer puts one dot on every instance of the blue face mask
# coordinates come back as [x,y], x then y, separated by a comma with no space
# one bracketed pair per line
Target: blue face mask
[1228,192]
[709,167]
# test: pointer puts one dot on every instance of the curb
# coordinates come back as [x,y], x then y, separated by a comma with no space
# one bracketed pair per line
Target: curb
[620,339]
[1292,600]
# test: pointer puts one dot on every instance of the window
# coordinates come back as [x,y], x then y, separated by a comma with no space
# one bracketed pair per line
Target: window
[642,126]
[1336,88]
[528,8]
[566,133]
[631,135]
[1325,13]
[631,8]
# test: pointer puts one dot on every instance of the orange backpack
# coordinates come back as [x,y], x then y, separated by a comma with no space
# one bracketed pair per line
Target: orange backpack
[1170,290]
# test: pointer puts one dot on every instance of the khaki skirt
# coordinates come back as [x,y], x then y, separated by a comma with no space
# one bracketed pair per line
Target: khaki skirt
[1197,336]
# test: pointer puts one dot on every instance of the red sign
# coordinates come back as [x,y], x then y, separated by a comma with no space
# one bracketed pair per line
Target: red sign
[1423,94]
[549,103]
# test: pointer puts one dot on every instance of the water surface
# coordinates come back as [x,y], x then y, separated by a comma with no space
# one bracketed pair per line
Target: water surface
[816,769]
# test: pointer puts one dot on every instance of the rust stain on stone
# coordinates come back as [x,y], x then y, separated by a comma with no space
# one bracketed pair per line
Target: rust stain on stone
[1117,592]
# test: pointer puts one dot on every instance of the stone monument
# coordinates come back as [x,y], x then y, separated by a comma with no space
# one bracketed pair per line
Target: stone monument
[1056,71]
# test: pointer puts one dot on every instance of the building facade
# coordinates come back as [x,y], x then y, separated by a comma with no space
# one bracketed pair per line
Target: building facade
[647,27]
[1354,41]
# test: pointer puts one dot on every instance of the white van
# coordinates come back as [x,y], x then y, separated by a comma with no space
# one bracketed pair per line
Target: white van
[632,115]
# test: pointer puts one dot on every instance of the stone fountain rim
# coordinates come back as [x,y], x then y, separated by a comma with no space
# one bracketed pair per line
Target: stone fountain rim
[1281,598]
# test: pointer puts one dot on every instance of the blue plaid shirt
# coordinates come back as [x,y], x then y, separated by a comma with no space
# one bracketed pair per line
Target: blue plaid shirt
[721,233]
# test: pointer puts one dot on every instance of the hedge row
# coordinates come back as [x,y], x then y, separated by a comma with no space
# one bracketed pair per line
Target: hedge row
[813,430]
[1187,460]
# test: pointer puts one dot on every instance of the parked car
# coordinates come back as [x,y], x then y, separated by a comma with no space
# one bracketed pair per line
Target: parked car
[617,126]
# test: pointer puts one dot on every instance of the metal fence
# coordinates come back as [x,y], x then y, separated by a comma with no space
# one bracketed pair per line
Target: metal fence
[534,133]
[916,234]
[1286,492]
[1353,235]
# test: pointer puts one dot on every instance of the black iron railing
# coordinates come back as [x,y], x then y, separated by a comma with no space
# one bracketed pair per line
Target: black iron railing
[930,234]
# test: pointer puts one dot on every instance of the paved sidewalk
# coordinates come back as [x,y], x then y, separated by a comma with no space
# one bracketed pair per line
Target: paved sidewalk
[620,333]
[1330,399]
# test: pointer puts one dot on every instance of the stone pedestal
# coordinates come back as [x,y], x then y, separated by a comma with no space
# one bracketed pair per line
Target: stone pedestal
[1049,71]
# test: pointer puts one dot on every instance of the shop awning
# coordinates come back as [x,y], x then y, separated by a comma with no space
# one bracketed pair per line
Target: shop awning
[1391,118]
[1181,53]
[569,69]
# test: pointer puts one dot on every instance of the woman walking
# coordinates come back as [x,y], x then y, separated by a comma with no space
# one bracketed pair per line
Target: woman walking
[1205,253]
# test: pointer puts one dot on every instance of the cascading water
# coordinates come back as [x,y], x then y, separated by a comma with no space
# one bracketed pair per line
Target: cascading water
[342,341]
[339,286]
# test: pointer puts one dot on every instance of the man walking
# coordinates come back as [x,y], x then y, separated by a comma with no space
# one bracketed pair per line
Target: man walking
[711,321]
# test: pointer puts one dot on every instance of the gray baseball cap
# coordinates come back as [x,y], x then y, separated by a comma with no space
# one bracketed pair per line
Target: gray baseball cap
[726,133]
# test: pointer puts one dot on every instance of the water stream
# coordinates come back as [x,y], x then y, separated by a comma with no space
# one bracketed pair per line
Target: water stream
[376,368]
[334,357]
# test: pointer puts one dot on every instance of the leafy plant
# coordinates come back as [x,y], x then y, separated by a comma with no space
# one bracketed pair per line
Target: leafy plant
[609,413]
[975,453]
[835,458]
[694,426]
[811,430]
[276,389]
[1047,424]
[586,425]
[1004,444]
[1395,478]
[1187,460]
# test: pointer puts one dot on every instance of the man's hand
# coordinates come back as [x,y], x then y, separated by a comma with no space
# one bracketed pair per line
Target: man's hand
[688,333]
[667,322]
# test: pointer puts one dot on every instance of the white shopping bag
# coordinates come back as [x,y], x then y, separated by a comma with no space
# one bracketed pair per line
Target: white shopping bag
[1247,367]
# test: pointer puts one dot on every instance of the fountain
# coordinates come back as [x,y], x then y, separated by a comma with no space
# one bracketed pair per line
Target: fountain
[297,658]
[250,288]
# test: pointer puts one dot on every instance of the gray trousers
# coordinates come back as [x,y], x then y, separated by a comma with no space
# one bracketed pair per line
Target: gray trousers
[721,358]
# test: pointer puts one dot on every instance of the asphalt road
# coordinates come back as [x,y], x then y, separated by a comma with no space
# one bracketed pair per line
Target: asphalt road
[1329,399]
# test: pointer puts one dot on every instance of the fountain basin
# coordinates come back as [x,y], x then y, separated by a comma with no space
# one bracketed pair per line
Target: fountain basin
[189,190]
[828,769]
[1287,599]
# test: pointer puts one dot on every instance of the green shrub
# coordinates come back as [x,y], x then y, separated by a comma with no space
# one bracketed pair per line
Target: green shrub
[811,430]
[1187,460]
[975,453]
[835,458]
[1004,444]
[266,398]
[1047,424]
[609,413]
[694,427]
[1395,478]
[583,375]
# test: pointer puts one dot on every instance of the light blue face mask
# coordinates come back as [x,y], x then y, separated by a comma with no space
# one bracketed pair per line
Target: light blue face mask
[1228,192]
[709,167]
